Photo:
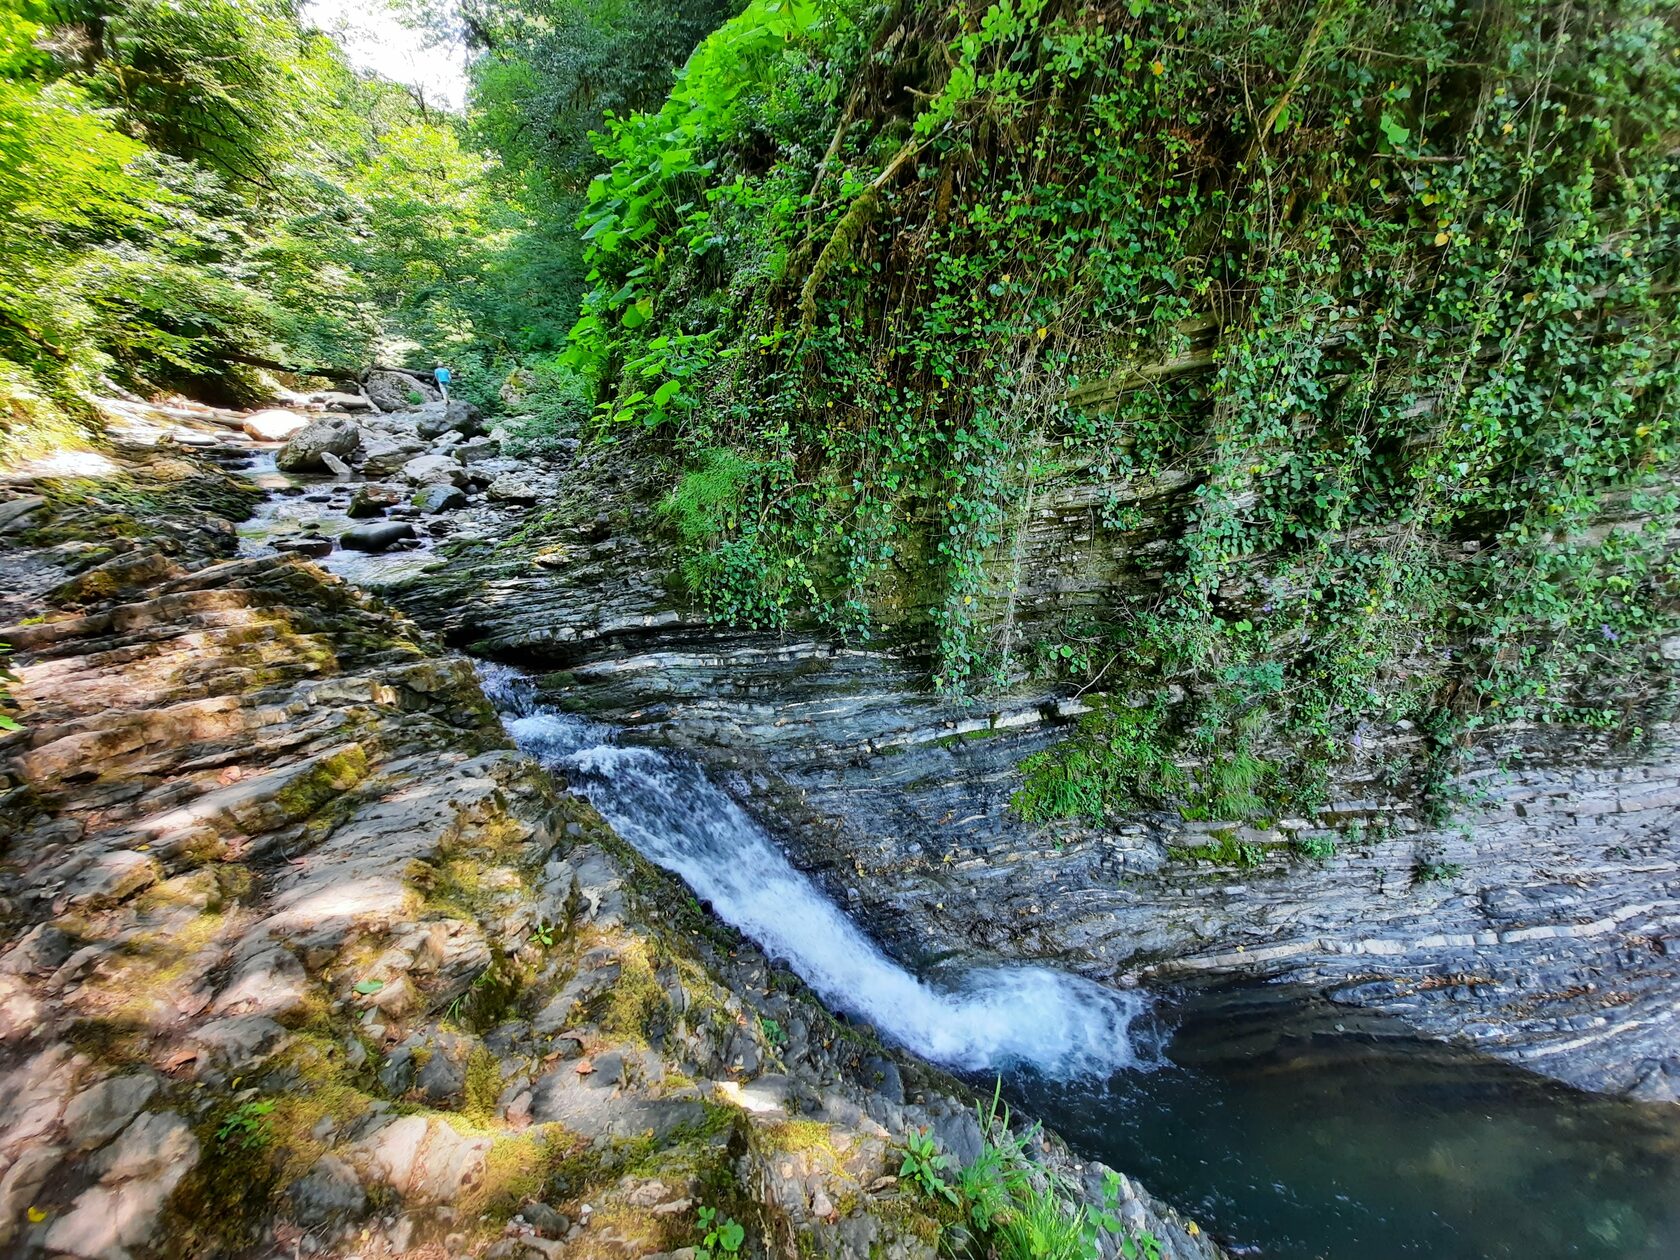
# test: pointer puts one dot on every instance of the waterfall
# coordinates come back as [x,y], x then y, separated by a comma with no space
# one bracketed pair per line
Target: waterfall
[983,1018]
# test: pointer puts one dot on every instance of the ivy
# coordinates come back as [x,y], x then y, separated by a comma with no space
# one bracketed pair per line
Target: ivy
[1389,290]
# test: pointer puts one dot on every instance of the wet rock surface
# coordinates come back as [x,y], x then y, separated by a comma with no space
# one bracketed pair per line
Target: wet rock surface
[1541,926]
[299,956]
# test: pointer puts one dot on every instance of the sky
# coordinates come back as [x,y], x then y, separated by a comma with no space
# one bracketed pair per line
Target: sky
[374,39]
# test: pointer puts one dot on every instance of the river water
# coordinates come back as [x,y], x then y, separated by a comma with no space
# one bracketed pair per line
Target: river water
[1285,1133]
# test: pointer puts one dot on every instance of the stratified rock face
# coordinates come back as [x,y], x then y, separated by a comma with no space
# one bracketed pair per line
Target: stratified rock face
[308,449]
[1544,926]
[271,870]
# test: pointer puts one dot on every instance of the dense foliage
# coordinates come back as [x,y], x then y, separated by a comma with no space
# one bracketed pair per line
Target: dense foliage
[189,192]
[1390,288]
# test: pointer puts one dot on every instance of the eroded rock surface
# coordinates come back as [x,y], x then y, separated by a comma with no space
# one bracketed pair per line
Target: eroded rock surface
[300,957]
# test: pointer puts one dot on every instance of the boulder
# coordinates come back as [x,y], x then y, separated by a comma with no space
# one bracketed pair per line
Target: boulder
[428,470]
[274,425]
[372,499]
[393,391]
[455,416]
[512,488]
[332,435]
[384,454]
[336,466]
[475,449]
[376,537]
[439,497]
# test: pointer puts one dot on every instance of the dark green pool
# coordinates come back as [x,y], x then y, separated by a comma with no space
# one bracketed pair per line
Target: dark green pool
[1286,1137]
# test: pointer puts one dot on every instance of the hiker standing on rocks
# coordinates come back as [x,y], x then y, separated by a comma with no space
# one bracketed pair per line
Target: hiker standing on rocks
[441,375]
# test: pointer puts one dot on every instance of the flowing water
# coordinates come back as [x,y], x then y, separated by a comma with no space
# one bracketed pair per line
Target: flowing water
[1061,1025]
[1284,1132]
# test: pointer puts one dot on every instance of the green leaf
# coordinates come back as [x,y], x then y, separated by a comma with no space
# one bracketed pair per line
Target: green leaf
[369,986]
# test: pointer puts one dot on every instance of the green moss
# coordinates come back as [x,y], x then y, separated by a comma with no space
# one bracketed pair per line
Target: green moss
[484,1085]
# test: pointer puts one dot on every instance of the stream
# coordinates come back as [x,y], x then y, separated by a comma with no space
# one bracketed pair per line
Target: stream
[1285,1131]
[1288,1134]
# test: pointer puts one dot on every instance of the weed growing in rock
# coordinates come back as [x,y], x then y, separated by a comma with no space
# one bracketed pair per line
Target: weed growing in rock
[719,1236]
[1014,1208]
[924,1166]
[1318,847]
[7,723]
[247,1125]
[1434,870]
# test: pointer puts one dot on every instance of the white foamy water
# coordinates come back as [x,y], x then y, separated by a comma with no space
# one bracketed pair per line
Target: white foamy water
[1060,1024]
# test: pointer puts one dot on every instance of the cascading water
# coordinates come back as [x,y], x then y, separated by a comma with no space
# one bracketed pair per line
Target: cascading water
[1059,1025]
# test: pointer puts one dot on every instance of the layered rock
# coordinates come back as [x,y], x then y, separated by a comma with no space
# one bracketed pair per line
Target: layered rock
[1543,926]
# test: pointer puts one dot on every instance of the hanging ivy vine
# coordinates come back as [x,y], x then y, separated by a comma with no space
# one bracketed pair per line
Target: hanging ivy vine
[1391,288]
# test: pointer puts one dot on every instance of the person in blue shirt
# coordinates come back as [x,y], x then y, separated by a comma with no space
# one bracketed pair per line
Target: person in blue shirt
[441,375]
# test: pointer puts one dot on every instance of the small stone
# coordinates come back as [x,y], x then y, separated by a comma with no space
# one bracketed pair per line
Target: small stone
[112,879]
[153,1142]
[271,983]
[545,1220]
[383,454]
[453,417]
[474,449]
[376,537]
[315,548]
[336,466]
[12,511]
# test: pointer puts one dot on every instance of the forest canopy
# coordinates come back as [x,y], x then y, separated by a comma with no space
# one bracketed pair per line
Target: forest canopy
[190,193]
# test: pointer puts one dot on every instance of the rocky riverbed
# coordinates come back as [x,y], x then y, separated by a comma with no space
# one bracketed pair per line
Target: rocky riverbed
[301,957]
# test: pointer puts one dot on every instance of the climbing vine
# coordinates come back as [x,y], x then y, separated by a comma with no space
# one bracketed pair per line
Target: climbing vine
[1355,319]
